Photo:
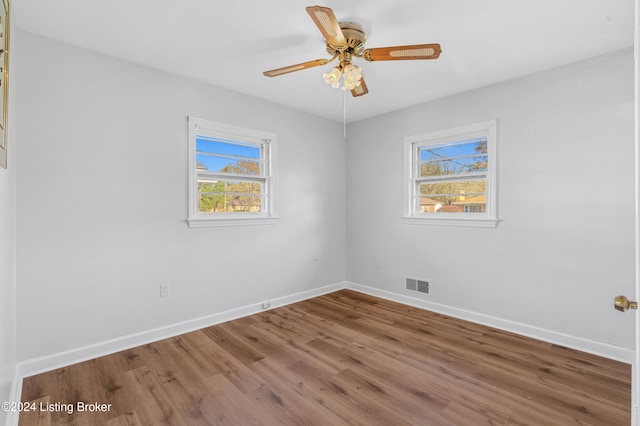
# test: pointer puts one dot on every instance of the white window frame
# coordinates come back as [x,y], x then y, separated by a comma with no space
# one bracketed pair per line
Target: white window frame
[269,141]
[412,214]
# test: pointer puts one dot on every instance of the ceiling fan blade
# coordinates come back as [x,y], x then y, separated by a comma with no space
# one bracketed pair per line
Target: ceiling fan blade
[297,67]
[360,90]
[328,25]
[396,53]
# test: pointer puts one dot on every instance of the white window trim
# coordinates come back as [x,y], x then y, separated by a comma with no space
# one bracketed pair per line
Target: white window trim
[196,219]
[489,219]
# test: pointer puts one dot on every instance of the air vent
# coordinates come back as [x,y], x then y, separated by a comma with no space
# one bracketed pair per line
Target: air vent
[416,285]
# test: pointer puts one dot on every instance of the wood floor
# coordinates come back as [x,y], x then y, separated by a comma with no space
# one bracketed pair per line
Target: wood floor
[340,359]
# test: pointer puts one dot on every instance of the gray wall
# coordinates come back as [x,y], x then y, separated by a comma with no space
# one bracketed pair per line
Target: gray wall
[102,202]
[8,359]
[565,244]
[8,341]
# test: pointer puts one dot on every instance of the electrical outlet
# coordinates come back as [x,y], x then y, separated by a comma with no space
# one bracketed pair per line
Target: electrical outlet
[164,290]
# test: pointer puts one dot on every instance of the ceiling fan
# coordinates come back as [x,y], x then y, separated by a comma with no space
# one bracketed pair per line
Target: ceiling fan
[345,40]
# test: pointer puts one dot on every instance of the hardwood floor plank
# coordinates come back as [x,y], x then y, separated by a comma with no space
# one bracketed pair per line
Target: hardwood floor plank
[288,394]
[232,344]
[236,370]
[414,410]
[268,344]
[152,404]
[378,368]
[226,405]
[292,409]
[37,416]
[348,404]
[126,419]
[340,359]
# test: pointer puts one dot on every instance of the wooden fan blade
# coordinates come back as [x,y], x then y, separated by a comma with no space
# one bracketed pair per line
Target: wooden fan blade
[360,90]
[297,67]
[398,53]
[328,25]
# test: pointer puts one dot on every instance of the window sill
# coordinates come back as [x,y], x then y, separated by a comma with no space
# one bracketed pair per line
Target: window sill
[231,221]
[451,221]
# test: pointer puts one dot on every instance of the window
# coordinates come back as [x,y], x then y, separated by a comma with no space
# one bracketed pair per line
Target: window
[451,176]
[231,179]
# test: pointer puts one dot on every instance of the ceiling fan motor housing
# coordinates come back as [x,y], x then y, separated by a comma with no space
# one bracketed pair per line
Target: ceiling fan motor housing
[355,36]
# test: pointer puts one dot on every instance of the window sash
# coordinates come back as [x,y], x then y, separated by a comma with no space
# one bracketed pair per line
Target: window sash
[254,204]
[460,199]
[452,149]
[418,180]
[474,166]
[451,178]
[229,180]
[238,160]
[229,176]
[227,199]
[457,157]
[231,149]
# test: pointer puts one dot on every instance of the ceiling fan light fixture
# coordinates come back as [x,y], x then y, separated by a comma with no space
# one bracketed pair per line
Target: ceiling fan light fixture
[333,78]
[351,76]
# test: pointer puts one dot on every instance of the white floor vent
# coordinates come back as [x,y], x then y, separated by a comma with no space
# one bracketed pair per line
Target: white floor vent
[419,286]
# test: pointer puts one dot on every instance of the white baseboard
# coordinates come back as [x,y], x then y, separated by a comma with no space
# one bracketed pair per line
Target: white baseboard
[51,362]
[585,345]
[14,396]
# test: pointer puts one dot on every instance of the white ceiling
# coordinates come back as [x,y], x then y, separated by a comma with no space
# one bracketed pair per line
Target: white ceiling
[229,43]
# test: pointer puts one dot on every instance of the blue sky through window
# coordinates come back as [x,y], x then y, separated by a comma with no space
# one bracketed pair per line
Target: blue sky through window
[457,157]
[215,154]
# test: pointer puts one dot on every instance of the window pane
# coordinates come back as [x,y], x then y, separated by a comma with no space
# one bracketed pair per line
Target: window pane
[241,149]
[231,204]
[466,156]
[230,196]
[227,165]
[453,197]
[217,155]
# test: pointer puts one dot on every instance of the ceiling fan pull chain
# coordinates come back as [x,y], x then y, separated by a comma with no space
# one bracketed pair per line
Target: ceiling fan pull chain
[344,113]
